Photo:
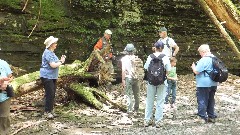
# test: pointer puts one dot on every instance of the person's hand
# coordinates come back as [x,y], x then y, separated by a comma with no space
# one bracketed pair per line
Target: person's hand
[193,65]
[2,79]
[113,57]
[4,85]
[63,58]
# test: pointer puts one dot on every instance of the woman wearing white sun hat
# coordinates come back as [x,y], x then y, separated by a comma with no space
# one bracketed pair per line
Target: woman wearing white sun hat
[49,74]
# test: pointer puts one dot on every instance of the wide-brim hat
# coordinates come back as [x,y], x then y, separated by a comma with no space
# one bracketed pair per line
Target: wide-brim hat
[50,40]
[129,48]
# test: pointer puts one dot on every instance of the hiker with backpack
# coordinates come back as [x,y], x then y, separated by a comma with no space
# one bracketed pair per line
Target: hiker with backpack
[170,47]
[206,87]
[130,80]
[157,66]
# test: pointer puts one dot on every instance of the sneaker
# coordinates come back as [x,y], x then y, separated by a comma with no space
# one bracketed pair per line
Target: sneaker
[48,115]
[159,124]
[147,123]
[211,120]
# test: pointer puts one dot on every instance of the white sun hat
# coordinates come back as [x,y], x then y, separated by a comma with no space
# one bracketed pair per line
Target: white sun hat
[50,40]
[109,32]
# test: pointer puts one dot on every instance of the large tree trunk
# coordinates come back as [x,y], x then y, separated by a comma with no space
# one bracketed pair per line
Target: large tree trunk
[219,26]
[226,11]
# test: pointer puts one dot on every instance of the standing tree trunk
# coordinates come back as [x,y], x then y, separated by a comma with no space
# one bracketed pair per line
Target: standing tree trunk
[220,28]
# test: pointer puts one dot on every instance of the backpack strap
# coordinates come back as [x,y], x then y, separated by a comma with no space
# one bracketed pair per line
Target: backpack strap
[152,56]
[167,43]
[205,71]
[160,56]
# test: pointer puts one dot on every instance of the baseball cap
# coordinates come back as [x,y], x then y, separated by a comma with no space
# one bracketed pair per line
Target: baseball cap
[159,44]
[162,29]
[108,31]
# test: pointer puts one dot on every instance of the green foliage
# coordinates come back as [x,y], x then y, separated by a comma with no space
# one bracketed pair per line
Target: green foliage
[52,10]
[11,3]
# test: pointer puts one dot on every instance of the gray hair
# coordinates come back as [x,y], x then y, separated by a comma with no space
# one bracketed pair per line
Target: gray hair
[204,48]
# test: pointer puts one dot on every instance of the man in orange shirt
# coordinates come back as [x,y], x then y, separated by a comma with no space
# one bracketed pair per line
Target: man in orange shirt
[105,43]
[103,50]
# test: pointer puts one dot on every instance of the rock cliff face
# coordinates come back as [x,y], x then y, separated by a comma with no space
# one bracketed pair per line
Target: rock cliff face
[79,24]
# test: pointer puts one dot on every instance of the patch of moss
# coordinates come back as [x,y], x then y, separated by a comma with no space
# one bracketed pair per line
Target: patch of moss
[17,82]
[11,3]
[87,94]
[230,3]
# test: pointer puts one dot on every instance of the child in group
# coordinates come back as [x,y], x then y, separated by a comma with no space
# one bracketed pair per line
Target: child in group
[172,82]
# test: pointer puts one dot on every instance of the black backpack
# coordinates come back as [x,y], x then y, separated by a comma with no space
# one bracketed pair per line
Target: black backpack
[156,74]
[219,72]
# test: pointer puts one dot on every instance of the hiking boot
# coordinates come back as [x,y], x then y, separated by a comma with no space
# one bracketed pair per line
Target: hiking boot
[147,123]
[48,115]
[54,115]
[159,124]
[201,120]
[211,120]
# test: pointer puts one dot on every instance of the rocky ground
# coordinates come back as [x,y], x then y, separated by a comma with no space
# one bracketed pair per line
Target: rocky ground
[79,119]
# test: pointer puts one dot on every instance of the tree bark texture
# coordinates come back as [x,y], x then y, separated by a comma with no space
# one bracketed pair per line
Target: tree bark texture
[219,26]
[226,11]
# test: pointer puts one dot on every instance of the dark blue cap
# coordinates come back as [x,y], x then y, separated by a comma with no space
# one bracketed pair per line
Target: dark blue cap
[159,44]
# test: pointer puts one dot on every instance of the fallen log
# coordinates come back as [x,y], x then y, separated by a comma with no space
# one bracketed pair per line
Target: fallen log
[31,82]
[93,96]
[68,79]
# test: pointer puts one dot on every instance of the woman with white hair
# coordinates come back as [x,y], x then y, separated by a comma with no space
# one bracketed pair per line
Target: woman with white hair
[206,87]
[49,74]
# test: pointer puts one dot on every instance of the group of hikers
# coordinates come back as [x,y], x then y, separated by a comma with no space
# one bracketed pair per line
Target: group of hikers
[161,79]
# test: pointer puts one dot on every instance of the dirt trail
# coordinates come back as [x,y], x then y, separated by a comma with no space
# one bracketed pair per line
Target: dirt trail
[78,119]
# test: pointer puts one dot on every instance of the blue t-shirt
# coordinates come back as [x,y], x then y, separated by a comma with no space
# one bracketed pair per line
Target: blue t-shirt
[46,71]
[203,79]
[5,70]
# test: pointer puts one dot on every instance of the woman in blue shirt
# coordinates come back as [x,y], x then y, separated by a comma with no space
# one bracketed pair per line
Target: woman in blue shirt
[49,74]
[206,87]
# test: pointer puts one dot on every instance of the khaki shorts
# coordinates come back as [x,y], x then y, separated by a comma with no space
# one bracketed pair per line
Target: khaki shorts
[5,117]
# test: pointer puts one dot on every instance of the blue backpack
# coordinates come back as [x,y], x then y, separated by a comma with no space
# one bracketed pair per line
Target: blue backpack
[156,72]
